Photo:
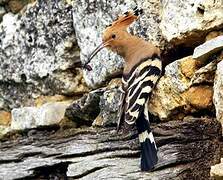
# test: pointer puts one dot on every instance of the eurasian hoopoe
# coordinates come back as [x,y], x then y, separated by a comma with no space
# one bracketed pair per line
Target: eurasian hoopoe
[142,69]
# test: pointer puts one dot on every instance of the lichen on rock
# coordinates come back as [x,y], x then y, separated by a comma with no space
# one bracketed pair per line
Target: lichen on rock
[38,54]
[189,21]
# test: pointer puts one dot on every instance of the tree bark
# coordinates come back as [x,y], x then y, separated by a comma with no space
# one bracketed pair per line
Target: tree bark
[187,149]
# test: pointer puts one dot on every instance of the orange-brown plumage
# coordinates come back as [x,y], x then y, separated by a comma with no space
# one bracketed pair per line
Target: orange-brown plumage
[130,47]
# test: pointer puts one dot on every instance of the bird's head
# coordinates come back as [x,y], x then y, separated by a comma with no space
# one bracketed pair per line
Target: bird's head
[115,36]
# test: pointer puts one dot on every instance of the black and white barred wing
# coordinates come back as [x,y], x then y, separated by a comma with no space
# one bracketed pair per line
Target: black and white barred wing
[139,88]
[121,107]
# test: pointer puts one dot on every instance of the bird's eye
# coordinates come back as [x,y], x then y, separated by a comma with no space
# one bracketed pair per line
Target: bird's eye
[113,36]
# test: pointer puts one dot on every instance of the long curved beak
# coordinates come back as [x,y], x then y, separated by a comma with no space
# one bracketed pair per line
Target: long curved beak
[100,47]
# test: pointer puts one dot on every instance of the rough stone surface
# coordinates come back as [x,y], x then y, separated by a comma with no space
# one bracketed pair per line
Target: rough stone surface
[200,97]
[218,92]
[41,100]
[213,35]
[4,130]
[32,117]
[99,106]
[217,171]
[5,118]
[188,21]
[2,12]
[210,47]
[5,121]
[109,105]
[173,83]
[15,6]
[38,54]
[187,150]
[3,2]
[189,66]
[86,109]
[165,106]
[177,83]
[91,18]
[206,74]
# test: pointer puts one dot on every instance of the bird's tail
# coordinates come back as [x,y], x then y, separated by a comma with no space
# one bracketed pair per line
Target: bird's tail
[148,146]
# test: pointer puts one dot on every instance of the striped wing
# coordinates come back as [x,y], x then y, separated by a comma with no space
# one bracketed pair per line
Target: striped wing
[121,108]
[138,87]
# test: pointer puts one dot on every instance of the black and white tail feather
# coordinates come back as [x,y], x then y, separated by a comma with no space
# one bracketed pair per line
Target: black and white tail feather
[148,146]
[137,86]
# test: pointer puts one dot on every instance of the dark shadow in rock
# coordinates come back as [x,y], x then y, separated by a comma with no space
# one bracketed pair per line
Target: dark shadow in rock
[57,171]
[86,109]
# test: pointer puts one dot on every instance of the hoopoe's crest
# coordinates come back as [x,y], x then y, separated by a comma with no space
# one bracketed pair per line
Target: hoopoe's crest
[123,22]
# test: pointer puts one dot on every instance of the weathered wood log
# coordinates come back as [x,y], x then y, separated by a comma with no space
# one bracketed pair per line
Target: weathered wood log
[187,149]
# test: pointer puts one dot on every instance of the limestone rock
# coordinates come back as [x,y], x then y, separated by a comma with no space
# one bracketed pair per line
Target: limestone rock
[5,121]
[206,74]
[66,123]
[41,100]
[189,66]
[4,130]
[210,47]
[91,18]
[217,171]
[173,83]
[218,92]
[16,5]
[32,117]
[5,118]
[114,83]
[38,54]
[109,105]
[3,2]
[213,35]
[51,113]
[97,108]
[166,100]
[86,109]
[24,118]
[174,95]
[176,72]
[199,97]
[2,12]
[188,21]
